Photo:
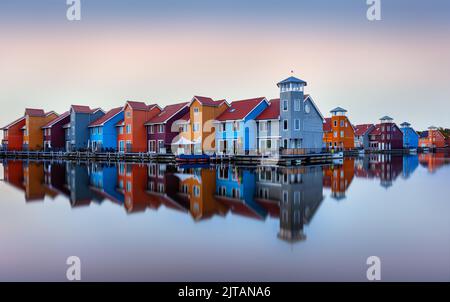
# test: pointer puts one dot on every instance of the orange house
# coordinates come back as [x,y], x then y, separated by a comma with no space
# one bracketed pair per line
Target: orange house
[13,135]
[132,133]
[433,138]
[33,137]
[199,130]
[338,132]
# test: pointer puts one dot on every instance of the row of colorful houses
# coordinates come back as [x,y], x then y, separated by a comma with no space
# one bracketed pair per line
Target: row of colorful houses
[291,123]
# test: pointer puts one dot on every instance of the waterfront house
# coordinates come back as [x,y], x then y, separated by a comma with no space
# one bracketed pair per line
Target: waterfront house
[162,128]
[362,135]
[338,132]
[410,136]
[268,127]
[103,131]
[33,137]
[77,135]
[433,138]
[199,134]
[54,134]
[132,135]
[13,135]
[386,136]
[236,128]
[301,120]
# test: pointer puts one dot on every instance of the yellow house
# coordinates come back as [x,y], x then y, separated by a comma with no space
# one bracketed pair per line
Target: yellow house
[35,119]
[198,134]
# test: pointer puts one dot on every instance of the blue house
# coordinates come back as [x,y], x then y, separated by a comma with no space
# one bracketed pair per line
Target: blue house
[410,136]
[77,131]
[235,187]
[103,131]
[103,179]
[236,128]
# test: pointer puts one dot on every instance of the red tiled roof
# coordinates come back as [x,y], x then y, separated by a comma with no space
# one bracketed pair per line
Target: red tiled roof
[34,112]
[81,109]
[167,113]
[110,114]
[13,123]
[272,112]
[327,125]
[240,109]
[376,130]
[362,129]
[207,101]
[59,118]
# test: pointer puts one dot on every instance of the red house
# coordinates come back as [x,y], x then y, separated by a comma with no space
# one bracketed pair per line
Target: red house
[433,138]
[54,133]
[386,136]
[13,135]
[161,129]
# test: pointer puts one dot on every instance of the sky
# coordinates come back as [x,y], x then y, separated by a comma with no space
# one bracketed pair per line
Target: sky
[170,50]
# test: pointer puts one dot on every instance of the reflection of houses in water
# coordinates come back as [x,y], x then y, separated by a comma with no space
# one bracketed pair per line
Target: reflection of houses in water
[13,174]
[235,188]
[103,181]
[132,183]
[410,164]
[297,192]
[339,177]
[386,167]
[197,188]
[433,161]
[33,176]
[78,182]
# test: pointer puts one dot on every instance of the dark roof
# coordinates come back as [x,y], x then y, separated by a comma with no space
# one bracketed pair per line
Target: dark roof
[13,123]
[110,114]
[292,80]
[34,112]
[338,109]
[238,110]
[386,118]
[405,124]
[207,101]
[272,112]
[362,129]
[81,109]
[424,134]
[186,117]
[56,120]
[167,113]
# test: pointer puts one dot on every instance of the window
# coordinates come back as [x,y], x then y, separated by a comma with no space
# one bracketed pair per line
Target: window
[342,133]
[285,105]
[196,127]
[196,190]
[335,123]
[342,123]
[120,130]
[223,127]
[269,144]
[285,125]
[285,196]
[236,126]
[128,186]
[99,130]
[161,128]
[235,193]
[160,144]
[297,124]
[297,105]
[128,114]
[285,143]
[128,128]
[335,134]
[152,129]
[196,110]
[307,108]
[297,198]
[262,126]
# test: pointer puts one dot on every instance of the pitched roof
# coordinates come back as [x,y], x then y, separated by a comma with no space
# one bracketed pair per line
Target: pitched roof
[207,101]
[109,115]
[238,110]
[81,109]
[34,112]
[272,112]
[56,120]
[292,80]
[13,123]
[167,113]
[327,124]
[186,117]
[338,109]
[362,129]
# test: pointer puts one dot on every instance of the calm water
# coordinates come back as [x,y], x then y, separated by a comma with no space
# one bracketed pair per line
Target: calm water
[131,222]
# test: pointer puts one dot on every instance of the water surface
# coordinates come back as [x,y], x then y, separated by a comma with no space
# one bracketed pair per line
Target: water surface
[132,222]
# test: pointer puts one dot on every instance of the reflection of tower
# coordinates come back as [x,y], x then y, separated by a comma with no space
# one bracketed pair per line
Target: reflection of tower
[301,195]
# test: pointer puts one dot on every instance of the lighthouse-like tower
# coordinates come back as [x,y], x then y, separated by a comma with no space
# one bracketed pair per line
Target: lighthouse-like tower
[291,112]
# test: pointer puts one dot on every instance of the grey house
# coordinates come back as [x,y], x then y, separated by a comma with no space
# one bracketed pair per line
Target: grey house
[362,135]
[77,133]
[301,123]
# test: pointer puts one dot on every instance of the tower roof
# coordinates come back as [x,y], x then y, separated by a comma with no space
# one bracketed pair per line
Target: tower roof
[405,124]
[338,109]
[292,80]
[386,118]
